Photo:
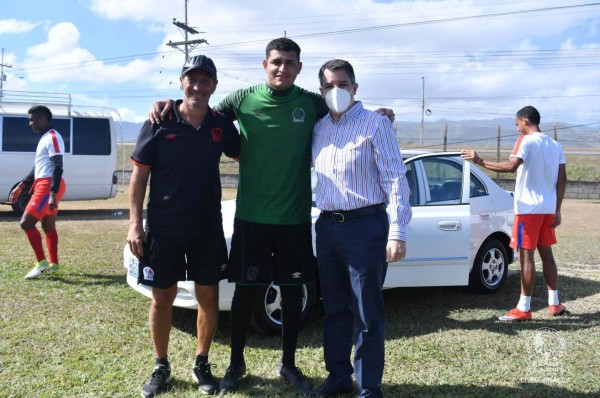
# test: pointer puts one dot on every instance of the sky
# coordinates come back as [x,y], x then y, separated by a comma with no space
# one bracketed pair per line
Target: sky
[479,59]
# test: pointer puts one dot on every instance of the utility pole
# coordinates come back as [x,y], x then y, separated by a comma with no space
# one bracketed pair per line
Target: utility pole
[2,75]
[189,45]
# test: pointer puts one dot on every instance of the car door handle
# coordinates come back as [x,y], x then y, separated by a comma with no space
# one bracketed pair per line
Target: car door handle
[485,215]
[449,225]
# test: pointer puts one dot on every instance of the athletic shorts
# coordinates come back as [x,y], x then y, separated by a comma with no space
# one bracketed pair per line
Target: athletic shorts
[533,230]
[265,253]
[38,203]
[168,260]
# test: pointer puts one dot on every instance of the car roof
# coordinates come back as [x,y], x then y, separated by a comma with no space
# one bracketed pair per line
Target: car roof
[409,153]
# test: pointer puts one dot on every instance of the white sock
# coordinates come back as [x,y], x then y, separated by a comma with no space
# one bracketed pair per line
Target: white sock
[553,297]
[524,303]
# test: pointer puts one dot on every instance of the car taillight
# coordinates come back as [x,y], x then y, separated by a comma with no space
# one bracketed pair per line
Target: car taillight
[115,179]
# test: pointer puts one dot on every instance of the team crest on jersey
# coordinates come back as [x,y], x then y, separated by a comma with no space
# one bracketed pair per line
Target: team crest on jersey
[298,115]
[148,274]
[216,134]
[171,136]
[296,275]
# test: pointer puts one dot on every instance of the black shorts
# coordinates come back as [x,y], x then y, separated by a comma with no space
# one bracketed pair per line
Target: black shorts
[168,260]
[264,253]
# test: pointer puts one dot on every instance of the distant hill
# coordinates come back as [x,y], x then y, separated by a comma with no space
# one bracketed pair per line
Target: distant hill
[485,133]
[130,131]
[462,133]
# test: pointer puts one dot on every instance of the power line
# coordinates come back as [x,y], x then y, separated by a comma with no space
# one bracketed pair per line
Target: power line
[445,20]
[346,31]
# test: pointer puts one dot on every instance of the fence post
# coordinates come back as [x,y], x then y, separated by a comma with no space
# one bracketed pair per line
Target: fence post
[498,148]
[445,137]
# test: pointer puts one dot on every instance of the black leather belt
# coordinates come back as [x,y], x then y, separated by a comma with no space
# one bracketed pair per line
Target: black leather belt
[346,215]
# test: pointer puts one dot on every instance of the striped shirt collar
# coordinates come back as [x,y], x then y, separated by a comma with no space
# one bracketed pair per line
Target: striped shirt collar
[350,114]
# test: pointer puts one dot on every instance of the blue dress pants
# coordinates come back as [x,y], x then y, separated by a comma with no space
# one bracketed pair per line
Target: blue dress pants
[351,257]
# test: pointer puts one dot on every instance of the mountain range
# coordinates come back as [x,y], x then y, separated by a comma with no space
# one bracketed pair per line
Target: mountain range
[464,133]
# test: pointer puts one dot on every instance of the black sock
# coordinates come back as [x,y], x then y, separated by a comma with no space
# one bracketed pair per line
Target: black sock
[163,361]
[291,314]
[201,359]
[241,310]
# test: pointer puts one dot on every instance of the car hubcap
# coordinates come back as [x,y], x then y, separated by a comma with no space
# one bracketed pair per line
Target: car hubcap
[272,302]
[492,267]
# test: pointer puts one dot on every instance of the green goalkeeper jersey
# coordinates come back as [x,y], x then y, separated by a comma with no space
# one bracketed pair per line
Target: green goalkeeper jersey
[276,131]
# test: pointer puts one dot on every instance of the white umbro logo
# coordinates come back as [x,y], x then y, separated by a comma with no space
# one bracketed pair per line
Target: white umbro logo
[296,275]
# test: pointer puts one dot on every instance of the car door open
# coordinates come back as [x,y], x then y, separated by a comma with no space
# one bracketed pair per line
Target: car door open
[438,237]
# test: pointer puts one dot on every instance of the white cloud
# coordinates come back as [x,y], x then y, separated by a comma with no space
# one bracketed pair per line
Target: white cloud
[137,10]
[62,38]
[473,66]
[14,26]
[60,59]
[130,115]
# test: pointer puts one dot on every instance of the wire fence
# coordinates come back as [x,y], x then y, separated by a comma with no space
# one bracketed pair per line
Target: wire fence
[581,145]
[582,148]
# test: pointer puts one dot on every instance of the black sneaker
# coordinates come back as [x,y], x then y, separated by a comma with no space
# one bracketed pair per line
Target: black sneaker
[207,384]
[159,382]
[230,381]
[293,375]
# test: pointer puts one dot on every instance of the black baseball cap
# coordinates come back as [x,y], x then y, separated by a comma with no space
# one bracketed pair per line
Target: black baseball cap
[200,62]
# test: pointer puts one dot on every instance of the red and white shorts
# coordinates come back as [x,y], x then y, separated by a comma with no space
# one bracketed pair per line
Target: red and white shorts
[38,204]
[533,230]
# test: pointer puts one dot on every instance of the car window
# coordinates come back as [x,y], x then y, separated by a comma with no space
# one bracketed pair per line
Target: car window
[412,185]
[91,136]
[476,188]
[443,181]
[18,137]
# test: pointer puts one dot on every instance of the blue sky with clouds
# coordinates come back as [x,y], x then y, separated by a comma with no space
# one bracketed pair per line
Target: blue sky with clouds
[478,59]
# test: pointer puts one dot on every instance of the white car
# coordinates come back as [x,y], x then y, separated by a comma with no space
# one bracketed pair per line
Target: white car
[459,236]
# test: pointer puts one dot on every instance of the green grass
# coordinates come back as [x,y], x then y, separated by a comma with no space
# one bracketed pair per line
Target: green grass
[83,332]
[583,168]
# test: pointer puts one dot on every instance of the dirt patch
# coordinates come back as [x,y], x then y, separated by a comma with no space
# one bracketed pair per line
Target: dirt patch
[583,215]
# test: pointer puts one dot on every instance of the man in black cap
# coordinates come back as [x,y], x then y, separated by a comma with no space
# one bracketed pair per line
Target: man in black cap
[183,238]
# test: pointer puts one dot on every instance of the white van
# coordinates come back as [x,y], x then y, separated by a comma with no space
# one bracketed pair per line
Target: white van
[90,159]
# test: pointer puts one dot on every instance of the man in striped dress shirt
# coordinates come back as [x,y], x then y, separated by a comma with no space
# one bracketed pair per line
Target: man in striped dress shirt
[359,171]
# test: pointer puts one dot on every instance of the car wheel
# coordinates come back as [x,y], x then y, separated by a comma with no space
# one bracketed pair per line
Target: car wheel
[490,267]
[266,314]
[21,203]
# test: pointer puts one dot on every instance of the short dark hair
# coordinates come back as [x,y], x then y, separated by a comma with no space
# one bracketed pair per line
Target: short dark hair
[336,64]
[41,109]
[283,44]
[529,113]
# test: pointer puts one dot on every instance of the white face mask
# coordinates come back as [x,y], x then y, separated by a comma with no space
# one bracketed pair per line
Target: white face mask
[338,99]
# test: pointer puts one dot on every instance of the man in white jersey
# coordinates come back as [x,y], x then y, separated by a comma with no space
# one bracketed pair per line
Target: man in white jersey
[48,188]
[540,188]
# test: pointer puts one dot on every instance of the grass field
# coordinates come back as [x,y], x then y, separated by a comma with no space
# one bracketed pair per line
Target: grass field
[83,332]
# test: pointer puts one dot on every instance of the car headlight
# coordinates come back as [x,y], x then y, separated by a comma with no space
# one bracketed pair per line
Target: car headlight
[184,294]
